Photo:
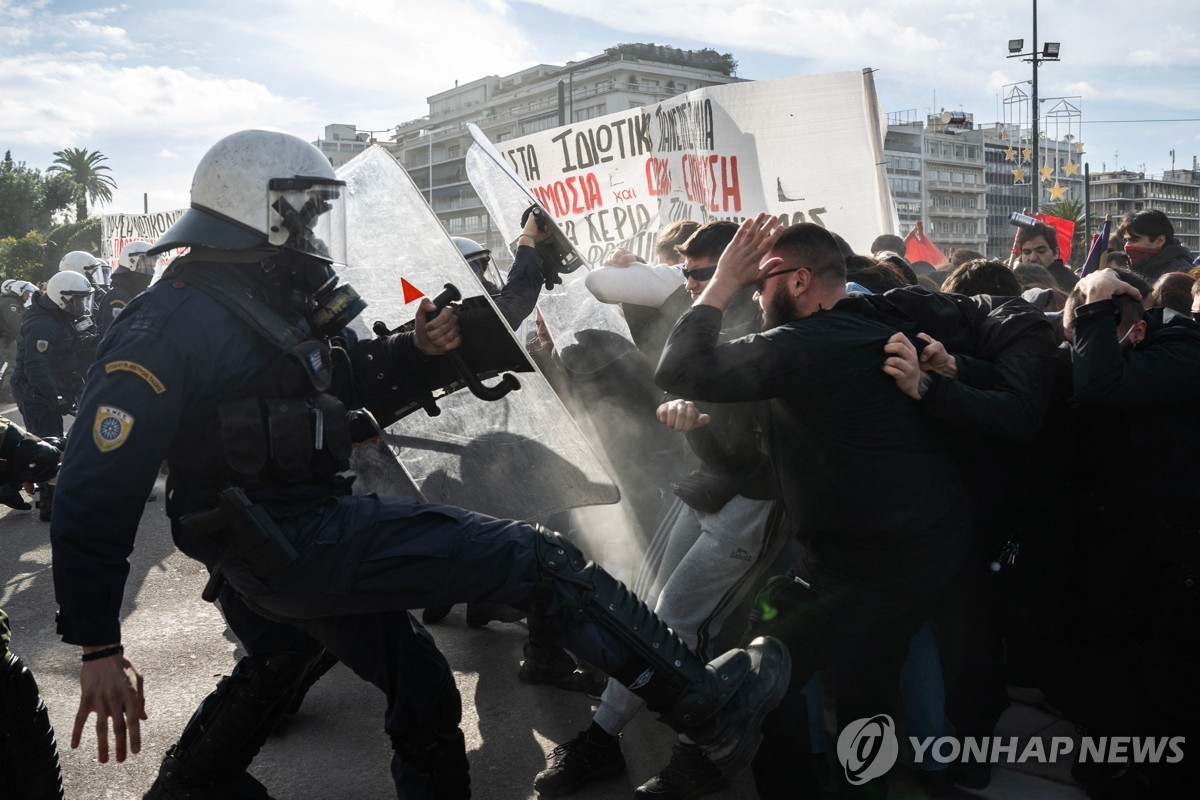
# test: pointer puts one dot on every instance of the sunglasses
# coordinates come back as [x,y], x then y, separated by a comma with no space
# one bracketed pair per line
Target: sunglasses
[761,284]
[700,273]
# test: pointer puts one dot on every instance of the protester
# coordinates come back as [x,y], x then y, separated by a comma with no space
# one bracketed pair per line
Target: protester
[838,427]
[1172,290]
[1038,244]
[1150,243]
[983,276]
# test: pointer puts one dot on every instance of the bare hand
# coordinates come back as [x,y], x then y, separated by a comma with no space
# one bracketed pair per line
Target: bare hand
[112,689]
[439,335]
[620,258]
[742,262]
[902,365]
[934,357]
[1105,285]
[682,416]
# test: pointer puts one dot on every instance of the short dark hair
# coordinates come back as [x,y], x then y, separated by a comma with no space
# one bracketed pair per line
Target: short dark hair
[816,248]
[889,242]
[1173,290]
[983,276]
[1027,232]
[875,275]
[963,255]
[675,234]
[1149,222]
[709,240]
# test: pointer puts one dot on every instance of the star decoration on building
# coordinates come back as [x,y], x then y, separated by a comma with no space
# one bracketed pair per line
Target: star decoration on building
[1019,174]
[1010,153]
[1046,172]
[1079,147]
[1056,191]
[1071,168]
[1026,153]
[1003,134]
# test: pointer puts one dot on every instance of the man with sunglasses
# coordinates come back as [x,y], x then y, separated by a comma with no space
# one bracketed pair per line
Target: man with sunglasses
[868,486]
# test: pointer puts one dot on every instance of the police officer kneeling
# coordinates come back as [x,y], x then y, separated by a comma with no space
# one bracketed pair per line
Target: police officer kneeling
[237,368]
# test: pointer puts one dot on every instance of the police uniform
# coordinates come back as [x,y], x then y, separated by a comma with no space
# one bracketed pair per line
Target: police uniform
[126,284]
[11,312]
[51,359]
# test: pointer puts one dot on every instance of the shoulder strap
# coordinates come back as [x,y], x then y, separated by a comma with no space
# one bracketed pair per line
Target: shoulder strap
[233,290]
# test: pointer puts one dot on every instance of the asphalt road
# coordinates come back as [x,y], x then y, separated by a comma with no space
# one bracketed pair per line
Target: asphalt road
[335,746]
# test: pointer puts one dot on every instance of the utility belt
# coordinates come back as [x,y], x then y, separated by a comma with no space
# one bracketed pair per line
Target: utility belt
[246,531]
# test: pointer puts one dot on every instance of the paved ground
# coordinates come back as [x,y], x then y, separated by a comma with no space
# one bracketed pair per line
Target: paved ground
[335,748]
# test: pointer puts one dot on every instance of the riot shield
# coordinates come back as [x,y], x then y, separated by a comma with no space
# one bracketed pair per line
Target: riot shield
[521,456]
[593,333]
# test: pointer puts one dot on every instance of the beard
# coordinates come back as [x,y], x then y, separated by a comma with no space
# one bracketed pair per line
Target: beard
[778,312]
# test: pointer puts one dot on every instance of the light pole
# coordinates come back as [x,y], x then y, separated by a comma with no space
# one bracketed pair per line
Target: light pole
[1049,52]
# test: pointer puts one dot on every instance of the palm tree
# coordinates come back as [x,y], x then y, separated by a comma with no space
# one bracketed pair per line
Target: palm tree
[87,176]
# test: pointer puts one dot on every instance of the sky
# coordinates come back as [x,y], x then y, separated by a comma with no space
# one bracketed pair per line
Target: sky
[152,85]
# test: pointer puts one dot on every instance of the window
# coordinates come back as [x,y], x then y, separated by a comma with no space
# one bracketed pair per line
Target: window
[542,122]
[587,113]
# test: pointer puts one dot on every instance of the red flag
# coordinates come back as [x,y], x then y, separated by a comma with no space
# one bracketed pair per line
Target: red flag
[917,247]
[1064,230]
[410,292]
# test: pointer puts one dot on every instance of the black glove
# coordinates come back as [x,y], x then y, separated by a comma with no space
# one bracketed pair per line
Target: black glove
[63,406]
[10,495]
[33,461]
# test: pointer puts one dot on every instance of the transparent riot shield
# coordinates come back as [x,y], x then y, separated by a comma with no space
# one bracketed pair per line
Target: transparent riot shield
[521,456]
[574,317]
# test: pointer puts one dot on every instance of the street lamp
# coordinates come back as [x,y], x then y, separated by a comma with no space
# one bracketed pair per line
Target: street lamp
[1048,53]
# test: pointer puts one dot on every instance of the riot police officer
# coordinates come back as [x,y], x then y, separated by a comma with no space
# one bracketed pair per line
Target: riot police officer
[238,368]
[86,264]
[14,294]
[55,348]
[134,272]
[28,754]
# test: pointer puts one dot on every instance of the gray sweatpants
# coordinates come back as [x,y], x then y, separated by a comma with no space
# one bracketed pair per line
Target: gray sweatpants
[707,564]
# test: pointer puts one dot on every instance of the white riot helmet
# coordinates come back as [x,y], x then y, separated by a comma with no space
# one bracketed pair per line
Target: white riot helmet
[72,292]
[479,258]
[133,258]
[85,263]
[257,189]
[17,287]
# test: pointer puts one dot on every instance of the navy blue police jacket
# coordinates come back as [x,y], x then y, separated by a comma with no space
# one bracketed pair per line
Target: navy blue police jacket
[167,361]
[51,357]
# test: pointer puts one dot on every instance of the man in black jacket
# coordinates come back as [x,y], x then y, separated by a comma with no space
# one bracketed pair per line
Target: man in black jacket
[837,428]
[1039,245]
[1136,380]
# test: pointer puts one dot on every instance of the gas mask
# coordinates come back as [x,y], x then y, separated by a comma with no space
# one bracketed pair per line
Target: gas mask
[316,294]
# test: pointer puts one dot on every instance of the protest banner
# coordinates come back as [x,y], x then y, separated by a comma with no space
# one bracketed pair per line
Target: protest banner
[118,230]
[806,149]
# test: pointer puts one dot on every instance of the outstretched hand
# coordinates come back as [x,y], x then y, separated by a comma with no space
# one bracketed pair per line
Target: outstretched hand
[111,688]
[743,260]
[437,336]
[903,365]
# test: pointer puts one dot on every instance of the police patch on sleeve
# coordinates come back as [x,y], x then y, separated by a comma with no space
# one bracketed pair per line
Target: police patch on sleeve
[137,369]
[42,345]
[111,428]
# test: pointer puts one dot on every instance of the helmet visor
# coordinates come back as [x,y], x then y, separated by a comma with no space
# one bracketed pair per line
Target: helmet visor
[77,304]
[308,215]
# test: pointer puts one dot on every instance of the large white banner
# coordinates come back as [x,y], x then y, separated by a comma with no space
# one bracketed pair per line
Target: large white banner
[118,230]
[806,148]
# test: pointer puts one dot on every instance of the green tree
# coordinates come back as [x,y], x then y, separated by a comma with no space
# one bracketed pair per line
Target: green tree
[65,238]
[89,178]
[22,258]
[29,201]
[1072,209]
